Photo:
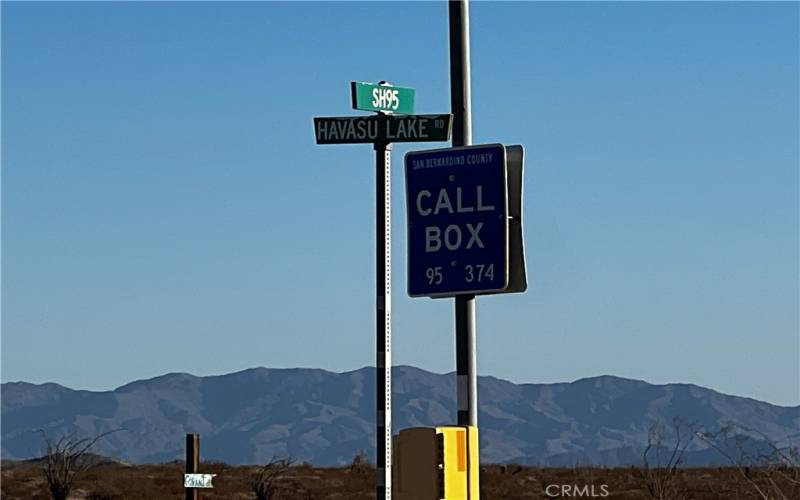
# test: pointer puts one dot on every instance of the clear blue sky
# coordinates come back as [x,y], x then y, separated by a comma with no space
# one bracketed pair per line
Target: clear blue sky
[165,208]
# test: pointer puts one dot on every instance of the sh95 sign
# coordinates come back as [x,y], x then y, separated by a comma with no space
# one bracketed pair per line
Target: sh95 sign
[382,97]
[457,221]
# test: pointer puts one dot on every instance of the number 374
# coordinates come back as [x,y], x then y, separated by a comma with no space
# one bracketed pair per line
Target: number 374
[478,273]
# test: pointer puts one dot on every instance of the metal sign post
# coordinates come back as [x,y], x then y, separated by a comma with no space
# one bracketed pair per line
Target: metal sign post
[381,131]
[461,104]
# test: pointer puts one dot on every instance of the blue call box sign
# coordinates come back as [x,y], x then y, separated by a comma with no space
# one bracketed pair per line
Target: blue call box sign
[457,221]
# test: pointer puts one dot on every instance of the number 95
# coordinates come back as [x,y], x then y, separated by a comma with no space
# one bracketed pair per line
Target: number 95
[434,275]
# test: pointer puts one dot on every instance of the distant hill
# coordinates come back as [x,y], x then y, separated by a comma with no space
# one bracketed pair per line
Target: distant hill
[91,458]
[325,417]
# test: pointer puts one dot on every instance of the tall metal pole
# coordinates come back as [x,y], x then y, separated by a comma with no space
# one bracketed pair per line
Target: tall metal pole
[383,323]
[461,104]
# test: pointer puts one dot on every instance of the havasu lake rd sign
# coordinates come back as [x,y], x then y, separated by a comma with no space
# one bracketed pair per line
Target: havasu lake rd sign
[382,128]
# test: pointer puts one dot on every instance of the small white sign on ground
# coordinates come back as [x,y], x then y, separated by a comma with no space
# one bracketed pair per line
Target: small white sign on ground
[198,480]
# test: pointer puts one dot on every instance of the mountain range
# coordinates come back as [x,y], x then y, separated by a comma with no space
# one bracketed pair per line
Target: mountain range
[325,418]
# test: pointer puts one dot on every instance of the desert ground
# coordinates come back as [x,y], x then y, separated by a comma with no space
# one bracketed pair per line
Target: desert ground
[116,481]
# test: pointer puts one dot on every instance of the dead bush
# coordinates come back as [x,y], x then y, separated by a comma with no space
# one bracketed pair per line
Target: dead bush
[360,463]
[770,471]
[661,473]
[65,460]
[271,481]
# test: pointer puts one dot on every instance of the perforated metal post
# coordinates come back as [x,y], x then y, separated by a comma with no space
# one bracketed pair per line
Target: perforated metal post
[383,319]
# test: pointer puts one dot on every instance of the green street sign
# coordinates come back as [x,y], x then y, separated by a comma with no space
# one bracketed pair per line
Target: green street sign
[382,129]
[386,98]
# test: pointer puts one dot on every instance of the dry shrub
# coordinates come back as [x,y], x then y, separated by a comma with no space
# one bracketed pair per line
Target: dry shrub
[65,460]
[271,481]
[661,474]
[360,463]
[770,471]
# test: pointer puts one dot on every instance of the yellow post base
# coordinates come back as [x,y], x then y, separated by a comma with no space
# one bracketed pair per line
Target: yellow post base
[436,463]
